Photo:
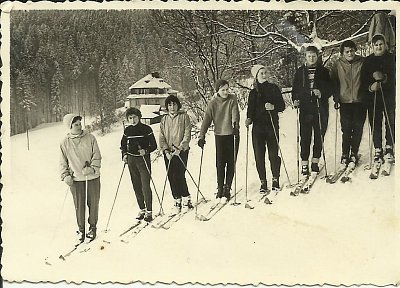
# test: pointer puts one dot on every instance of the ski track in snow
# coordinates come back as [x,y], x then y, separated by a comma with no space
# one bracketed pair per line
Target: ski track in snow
[338,231]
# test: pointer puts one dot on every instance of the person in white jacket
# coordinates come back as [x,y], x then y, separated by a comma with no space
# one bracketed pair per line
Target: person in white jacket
[80,162]
[175,128]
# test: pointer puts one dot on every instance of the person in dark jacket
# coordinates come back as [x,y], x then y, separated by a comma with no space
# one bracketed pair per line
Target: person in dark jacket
[348,97]
[136,145]
[311,92]
[265,101]
[378,78]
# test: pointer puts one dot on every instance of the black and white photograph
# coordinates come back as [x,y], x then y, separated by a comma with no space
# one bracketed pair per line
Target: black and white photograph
[233,143]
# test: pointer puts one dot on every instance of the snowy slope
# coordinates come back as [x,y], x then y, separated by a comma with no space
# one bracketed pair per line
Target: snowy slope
[341,233]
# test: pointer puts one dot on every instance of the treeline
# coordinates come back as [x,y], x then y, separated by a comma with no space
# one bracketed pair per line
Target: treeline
[80,61]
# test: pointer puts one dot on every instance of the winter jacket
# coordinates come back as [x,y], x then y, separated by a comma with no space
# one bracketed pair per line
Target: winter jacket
[75,151]
[137,137]
[175,131]
[223,112]
[385,64]
[270,93]
[346,80]
[301,89]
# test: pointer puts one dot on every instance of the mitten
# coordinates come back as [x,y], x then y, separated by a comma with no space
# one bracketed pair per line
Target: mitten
[248,122]
[87,171]
[336,105]
[68,180]
[201,143]
[125,158]
[317,93]
[374,87]
[142,152]
[268,106]
[296,104]
[378,76]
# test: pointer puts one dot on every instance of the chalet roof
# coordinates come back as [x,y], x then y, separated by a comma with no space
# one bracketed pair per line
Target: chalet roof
[149,81]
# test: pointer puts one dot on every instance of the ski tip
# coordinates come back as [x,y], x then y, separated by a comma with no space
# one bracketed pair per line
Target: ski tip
[248,206]
[267,201]
[235,203]
[62,257]
[201,218]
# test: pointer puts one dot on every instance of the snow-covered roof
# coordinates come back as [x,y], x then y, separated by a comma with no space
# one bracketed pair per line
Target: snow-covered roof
[150,111]
[146,96]
[149,81]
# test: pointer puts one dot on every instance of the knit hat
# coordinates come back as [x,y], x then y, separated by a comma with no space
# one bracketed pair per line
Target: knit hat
[71,118]
[219,83]
[133,111]
[255,69]
[173,99]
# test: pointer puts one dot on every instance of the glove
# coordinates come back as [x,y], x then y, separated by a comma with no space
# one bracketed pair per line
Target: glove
[336,105]
[87,171]
[296,104]
[68,180]
[236,131]
[248,122]
[378,76]
[168,154]
[317,93]
[125,158]
[142,152]
[201,143]
[374,87]
[176,152]
[269,106]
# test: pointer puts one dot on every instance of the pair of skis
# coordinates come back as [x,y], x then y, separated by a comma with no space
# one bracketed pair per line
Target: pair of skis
[381,168]
[169,220]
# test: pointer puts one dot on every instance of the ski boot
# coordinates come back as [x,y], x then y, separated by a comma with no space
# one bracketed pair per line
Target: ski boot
[304,170]
[275,184]
[148,217]
[264,188]
[177,206]
[227,192]
[91,235]
[314,167]
[141,214]
[80,237]
[186,204]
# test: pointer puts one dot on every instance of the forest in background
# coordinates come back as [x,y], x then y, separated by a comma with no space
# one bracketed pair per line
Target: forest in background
[84,61]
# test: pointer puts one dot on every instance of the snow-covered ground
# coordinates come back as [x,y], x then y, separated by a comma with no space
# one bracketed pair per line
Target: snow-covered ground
[339,233]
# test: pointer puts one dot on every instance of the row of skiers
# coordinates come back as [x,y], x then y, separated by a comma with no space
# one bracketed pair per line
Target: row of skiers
[357,84]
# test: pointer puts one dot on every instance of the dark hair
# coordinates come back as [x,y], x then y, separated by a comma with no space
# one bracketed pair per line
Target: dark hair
[219,83]
[312,49]
[378,37]
[133,111]
[348,44]
[172,99]
[76,118]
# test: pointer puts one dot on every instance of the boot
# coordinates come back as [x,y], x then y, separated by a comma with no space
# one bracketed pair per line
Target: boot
[177,206]
[186,204]
[91,235]
[263,188]
[344,160]
[389,155]
[304,170]
[227,192]
[148,217]
[378,157]
[275,184]
[141,214]
[80,237]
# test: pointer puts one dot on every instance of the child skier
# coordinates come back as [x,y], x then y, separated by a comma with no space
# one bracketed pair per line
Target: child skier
[265,101]
[136,145]
[223,111]
[175,128]
[378,83]
[348,97]
[311,91]
[80,162]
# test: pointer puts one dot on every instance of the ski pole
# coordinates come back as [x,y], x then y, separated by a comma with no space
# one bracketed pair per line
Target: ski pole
[198,189]
[198,183]
[115,198]
[165,184]
[234,171]
[386,113]
[322,138]
[247,167]
[151,178]
[372,131]
[336,130]
[297,145]
[279,146]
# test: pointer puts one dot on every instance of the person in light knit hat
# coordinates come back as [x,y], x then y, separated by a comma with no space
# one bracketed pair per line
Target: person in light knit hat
[265,101]
[80,162]
[175,128]
[223,111]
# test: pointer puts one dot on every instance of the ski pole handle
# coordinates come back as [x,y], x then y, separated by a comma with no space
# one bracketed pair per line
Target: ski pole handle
[87,164]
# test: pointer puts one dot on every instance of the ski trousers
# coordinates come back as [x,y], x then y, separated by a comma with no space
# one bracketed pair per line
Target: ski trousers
[78,191]
[225,159]
[352,119]
[309,123]
[176,174]
[260,140]
[140,178]
[376,124]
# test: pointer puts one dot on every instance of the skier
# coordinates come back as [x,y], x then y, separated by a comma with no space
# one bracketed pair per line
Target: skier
[378,83]
[310,93]
[223,111]
[136,145]
[80,162]
[175,128]
[348,97]
[265,101]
